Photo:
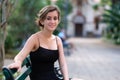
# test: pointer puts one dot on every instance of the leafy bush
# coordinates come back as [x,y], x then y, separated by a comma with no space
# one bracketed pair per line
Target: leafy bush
[12,42]
[1,76]
[112,18]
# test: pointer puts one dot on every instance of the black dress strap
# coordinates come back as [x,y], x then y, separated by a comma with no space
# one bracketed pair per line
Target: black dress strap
[38,39]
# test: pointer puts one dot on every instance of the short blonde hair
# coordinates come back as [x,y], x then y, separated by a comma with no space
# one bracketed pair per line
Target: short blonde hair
[43,13]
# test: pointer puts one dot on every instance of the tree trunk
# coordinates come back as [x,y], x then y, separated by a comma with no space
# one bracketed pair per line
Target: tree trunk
[2,52]
[3,32]
[2,49]
[5,8]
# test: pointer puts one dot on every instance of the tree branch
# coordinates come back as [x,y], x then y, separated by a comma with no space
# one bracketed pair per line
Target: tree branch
[2,24]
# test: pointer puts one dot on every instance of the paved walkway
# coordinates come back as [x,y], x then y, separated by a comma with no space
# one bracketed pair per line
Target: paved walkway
[93,60]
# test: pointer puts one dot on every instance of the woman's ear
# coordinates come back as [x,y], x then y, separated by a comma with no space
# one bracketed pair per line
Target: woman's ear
[41,22]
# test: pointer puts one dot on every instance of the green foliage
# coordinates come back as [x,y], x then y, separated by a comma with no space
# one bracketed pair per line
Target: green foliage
[96,6]
[103,4]
[112,18]
[12,40]
[1,76]
[23,18]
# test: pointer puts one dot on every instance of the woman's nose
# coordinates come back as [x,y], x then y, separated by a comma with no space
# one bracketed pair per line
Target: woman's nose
[52,20]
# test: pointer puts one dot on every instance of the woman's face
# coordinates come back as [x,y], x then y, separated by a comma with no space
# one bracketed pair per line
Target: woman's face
[51,21]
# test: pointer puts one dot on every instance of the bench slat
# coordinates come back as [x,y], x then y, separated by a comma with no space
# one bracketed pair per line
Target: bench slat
[8,73]
[24,74]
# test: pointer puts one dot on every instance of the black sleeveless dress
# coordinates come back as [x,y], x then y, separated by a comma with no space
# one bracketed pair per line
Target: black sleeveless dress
[42,61]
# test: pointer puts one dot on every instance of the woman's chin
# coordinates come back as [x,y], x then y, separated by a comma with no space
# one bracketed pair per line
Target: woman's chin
[52,29]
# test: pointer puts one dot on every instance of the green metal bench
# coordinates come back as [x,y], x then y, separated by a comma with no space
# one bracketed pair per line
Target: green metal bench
[9,73]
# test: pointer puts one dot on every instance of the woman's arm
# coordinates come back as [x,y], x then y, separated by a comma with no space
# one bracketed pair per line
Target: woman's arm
[28,47]
[62,61]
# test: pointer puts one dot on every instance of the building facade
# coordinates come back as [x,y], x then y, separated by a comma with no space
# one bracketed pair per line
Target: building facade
[83,21]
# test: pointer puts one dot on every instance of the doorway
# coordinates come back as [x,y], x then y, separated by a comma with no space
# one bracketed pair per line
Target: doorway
[78,30]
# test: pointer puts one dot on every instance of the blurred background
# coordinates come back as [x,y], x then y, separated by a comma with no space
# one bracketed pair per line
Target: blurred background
[91,25]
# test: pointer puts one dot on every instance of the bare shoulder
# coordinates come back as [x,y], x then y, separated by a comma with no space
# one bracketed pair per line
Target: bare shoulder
[33,38]
[59,40]
[32,41]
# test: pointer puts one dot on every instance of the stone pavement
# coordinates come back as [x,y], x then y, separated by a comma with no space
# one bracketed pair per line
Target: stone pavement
[93,59]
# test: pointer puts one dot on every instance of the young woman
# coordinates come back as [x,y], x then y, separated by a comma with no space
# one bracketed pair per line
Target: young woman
[44,47]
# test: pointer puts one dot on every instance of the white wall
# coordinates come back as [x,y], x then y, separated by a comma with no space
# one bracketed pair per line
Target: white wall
[89,14]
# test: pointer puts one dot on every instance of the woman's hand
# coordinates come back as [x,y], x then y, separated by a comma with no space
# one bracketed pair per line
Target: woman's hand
[16,65]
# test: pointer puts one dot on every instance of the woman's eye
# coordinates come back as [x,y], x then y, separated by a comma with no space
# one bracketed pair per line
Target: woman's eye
[55,18]
[48,18]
